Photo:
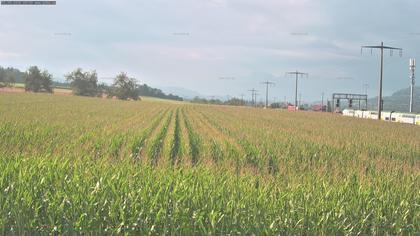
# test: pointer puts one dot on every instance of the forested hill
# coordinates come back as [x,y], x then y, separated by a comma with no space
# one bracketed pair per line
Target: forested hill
[399,101]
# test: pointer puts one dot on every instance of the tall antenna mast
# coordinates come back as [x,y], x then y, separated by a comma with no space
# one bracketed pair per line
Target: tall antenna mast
[381,47]
[297,74]
[267,83]
[412,77]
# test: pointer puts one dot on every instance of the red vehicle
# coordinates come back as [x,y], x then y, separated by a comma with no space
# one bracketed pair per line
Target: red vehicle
[317,107]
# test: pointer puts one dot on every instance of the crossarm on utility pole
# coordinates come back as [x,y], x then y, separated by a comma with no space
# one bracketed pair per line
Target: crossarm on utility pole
[381,47]
[297,74]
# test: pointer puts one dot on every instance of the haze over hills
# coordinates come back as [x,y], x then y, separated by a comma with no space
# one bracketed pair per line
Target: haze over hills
[398,101]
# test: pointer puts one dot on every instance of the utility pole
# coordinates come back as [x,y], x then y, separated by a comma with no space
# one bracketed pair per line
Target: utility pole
[300,99]
[297,74]
[253,96]
[365,90]
[412,69]
[242,99]
[381,47]
[256,102]
[267,83]
[322,102]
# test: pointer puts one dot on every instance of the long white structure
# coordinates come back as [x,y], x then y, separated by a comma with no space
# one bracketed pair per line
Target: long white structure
[407,118]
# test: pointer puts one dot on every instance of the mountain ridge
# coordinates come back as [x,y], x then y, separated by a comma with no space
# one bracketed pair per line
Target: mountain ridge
[398,101]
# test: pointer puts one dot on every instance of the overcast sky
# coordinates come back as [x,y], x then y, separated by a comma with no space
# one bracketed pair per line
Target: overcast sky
[218,47]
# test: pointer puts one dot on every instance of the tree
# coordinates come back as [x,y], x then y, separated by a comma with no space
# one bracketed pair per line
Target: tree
[37,81]
[2,77]
[124,87]
[235,102]
[84,83]
[7,77]
[145,90]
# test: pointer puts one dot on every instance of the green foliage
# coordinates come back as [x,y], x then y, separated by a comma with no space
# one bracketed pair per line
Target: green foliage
[398,101]
[72,165]
[176,139]
[235,102]
[230,102]
[205,101]
[7,77]
[84,83]
[124,88]
[145,90]
[194,142]
[140,140]
[157,142]
[216,151]
[37,81]
[84,196]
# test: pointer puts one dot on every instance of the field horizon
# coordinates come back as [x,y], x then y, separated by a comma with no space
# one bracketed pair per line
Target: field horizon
[75,165]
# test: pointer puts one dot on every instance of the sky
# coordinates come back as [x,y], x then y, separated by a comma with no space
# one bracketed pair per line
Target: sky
[219,47]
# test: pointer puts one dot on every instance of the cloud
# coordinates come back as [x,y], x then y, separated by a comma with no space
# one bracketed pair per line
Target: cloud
[191,43]
[8,55]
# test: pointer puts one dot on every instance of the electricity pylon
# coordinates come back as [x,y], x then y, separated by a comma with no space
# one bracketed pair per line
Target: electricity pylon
[381,47]
[267,83]
[297,74]
[253,95]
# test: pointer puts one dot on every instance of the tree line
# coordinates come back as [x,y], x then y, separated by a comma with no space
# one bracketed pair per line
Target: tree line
[82,83]
[9,76]
[240,102]
[215,101]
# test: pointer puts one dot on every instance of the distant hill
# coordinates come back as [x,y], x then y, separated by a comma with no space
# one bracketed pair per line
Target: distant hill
[398,101]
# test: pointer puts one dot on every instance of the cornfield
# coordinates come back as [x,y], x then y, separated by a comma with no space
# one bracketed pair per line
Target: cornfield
[75,165]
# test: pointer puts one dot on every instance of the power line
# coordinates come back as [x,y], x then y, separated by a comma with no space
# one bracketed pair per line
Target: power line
[300,99]
[256,102]
[381,47]
[365,88]
[267,83]
[242,96]
[297,74]
[253,95]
